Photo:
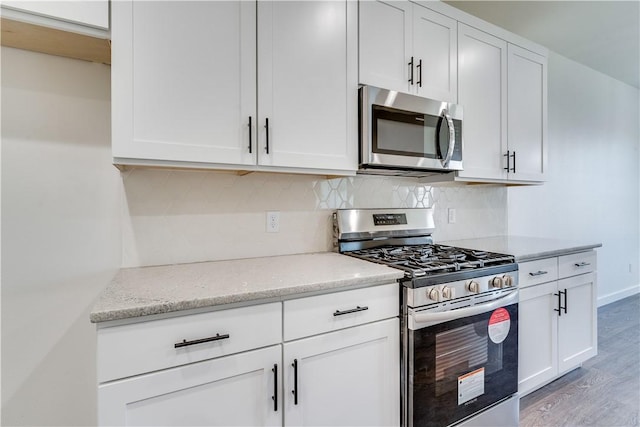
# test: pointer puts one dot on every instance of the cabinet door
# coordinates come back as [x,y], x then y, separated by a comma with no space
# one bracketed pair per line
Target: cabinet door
[435,44]
[349,377]
[538,336]
[183,80]
[307,84]
[578,337]
[482,92]
[230,391]
[527,114]
[385,44]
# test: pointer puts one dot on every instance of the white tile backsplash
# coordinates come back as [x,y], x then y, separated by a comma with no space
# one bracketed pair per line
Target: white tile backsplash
[176,216]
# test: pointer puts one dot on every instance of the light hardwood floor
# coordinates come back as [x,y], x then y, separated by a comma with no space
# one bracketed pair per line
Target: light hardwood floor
[605,391]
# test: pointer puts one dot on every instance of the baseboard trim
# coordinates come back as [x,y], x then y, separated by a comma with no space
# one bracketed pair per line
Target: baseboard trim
[618,295]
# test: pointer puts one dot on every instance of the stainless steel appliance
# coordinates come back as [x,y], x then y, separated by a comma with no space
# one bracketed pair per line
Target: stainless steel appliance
[459,318]
[402,134]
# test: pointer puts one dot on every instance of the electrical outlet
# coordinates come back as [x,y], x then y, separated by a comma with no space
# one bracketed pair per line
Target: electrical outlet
[451,212]
[273,222]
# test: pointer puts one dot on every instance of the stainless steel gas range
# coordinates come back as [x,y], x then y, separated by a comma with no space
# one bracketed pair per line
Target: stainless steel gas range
[459,318]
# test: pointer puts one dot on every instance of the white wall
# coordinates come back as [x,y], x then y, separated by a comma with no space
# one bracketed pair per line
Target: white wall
[61,238]
[592,193]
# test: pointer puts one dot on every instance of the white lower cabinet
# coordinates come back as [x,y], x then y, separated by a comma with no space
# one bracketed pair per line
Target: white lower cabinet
[234,368]
[350,377]
[229,391]
[557,318]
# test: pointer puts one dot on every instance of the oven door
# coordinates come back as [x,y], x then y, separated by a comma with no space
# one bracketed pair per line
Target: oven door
[464,361]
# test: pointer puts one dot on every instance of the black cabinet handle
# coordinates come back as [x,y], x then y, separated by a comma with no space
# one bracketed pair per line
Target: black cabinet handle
[514,162]
[565,301]
[508,156]
[295,381]
[582,264]
[267,128]
[250,135]
[559,309]
[538,273]
[185,343]
[411,71]
[419,67]
[353,310]
[275,387]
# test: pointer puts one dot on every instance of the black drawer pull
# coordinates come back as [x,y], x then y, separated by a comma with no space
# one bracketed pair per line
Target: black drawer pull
[538,273]
[353,310]
[185,343]
[275,387]
[582,264]
[295,381]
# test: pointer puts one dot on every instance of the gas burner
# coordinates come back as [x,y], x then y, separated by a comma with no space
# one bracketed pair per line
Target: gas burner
[431,259]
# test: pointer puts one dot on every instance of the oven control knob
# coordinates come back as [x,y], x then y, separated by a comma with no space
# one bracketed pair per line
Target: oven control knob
[448,293]
[473,287]
[434,294]
[496,282]
[507,281]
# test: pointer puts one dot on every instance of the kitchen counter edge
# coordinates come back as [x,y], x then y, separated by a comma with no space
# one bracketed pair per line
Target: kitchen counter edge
[145,293]
[524,248]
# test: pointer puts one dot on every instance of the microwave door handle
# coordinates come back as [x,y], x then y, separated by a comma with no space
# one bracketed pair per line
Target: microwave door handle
[452,139]
[445,316]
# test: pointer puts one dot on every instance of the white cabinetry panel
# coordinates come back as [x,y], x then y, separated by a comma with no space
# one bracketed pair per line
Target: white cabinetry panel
[148,346]
[408,48]
[183,83]
[482,91]
[385,49]
[230,391]
[194,83]
[435,40]
[527,114]
[538,333]
[349,377]
[307,84]
[578,325]
[557,327]
[317,314]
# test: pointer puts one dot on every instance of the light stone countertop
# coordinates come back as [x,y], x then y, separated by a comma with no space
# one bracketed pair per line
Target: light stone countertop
[143,291]
[524,248]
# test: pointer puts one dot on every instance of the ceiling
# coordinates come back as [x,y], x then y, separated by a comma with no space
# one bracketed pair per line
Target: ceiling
[603,35]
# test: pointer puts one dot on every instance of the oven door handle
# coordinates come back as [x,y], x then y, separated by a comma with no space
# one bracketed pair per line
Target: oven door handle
[430,318]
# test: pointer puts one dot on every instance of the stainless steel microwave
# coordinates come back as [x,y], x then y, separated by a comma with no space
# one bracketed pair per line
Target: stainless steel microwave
[402,134]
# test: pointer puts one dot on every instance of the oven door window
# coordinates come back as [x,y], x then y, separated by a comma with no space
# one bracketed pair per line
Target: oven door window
[405,133]
[463,366]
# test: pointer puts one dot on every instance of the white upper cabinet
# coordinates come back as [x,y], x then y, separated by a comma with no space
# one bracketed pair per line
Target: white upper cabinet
[408,48]
[527,114]
[195,83]
[307,84]
[435,40]
[482,92]
[183,81]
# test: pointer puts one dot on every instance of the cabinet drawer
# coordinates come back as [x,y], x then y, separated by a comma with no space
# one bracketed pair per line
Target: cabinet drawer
[540,271]
[574,264]
[323,313]
[149,346]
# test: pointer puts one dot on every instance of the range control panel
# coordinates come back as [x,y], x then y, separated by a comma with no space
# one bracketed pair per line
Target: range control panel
[389,219]
[437,294]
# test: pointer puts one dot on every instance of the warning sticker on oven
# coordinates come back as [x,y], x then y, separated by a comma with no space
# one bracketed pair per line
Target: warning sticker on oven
[470,385]
[499,324]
